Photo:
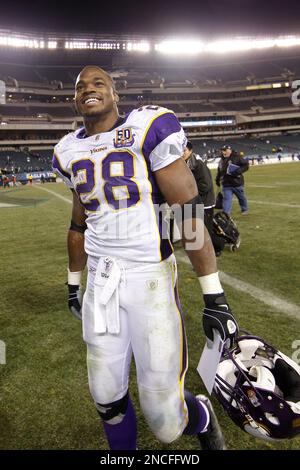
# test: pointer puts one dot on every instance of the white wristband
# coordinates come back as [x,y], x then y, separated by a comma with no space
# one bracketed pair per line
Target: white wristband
[210,284]
[74,277]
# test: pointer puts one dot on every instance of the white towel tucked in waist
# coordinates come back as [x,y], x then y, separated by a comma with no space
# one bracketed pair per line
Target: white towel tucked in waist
[106,296]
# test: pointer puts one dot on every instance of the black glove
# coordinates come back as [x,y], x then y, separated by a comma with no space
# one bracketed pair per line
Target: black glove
[74,300]
[218,183]
[217,315]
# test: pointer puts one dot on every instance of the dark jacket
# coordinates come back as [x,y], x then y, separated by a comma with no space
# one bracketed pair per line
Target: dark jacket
[203,179]
[235,178]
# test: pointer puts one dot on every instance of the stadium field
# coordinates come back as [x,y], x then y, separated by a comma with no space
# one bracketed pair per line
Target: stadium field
[44,396]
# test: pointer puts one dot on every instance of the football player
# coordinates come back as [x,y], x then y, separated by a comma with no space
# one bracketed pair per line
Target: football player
[120,169]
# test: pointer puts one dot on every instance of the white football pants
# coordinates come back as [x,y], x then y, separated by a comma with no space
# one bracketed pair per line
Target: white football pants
[151,327]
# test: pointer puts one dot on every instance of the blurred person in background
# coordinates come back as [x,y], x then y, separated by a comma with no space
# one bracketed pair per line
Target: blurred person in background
[202,175]
[230,177]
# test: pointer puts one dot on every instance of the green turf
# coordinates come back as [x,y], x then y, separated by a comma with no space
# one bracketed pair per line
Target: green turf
[44,396]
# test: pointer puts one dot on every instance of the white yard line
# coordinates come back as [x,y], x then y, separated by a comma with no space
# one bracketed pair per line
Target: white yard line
[287,183]
[3,204]
[268,186]
[54,194]
[278,204]
[266,297]
[273,185]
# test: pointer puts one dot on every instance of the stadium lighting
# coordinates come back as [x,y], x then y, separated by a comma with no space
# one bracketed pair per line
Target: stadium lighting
[52,44]
[206,123]
[169,46]
[235,45]
[76,45]
[188,47]
[266,86]
[106,46]
[138,46]
[287,42]
[15,41]
[224,46]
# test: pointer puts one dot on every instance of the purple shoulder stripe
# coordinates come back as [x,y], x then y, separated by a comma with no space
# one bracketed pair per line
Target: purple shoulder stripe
[56,166]
[160,129]
[81,134]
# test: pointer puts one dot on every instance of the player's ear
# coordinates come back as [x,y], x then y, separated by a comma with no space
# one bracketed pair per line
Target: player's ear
[116,97]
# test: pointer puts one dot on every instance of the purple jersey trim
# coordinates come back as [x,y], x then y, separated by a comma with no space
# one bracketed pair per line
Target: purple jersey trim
[56,166]
[165,245]
[157,199]
[160,129]
[184,344]
[81,134]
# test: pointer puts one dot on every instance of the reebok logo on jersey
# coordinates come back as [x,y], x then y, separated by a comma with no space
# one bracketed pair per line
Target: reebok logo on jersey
[152,285]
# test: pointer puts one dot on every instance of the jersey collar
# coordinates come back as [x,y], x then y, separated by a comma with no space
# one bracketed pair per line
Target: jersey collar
[121,120]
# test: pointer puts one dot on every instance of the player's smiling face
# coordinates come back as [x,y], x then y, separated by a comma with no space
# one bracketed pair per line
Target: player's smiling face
[94,93]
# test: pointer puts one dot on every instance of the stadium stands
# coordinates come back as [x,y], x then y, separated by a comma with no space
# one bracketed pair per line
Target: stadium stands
[12,161]
[250,147]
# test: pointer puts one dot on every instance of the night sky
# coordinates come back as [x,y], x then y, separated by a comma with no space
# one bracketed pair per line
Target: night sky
[206,19]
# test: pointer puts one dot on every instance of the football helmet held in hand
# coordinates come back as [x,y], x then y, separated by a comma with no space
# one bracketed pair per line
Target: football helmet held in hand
[259,388]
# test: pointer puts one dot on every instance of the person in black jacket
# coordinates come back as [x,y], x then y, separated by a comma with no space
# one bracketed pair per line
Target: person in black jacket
[230,176]
[205,186]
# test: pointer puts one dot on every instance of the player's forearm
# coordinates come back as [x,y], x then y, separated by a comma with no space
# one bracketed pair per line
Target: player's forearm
[77,255]
[200,248]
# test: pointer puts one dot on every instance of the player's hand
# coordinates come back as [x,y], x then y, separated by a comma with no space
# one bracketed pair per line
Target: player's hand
[74,300]
[217,315]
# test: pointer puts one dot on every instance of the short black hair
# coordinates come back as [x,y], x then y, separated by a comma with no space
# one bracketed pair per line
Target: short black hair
[189,145]
[110,79]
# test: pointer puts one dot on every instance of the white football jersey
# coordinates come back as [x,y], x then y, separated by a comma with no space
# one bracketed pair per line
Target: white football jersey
[112,173]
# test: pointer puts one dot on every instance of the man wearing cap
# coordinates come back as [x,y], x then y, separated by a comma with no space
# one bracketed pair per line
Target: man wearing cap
[230,176]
